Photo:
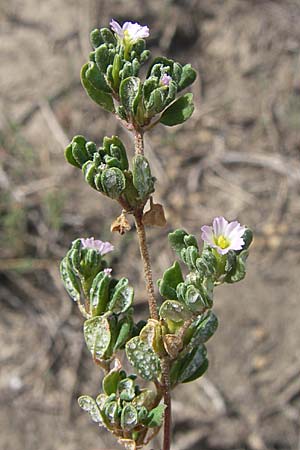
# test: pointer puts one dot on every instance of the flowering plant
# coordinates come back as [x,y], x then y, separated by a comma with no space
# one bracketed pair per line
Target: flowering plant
[169,348]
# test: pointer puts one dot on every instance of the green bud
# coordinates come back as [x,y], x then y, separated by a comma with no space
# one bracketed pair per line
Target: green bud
[170,280]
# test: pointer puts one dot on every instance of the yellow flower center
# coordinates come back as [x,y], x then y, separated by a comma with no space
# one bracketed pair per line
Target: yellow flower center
[222,241]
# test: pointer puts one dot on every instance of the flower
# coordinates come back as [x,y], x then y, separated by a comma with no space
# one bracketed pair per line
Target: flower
[165,79]
[224,235]
[129,31]
[99,246]
[107,271]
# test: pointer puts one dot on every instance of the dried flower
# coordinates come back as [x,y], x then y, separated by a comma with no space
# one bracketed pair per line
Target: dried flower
[224,235]
[99,246]
[165,79]
[129,31]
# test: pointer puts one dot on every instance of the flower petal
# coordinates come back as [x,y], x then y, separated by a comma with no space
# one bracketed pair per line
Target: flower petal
[219,226]
[116,27]
[208,235]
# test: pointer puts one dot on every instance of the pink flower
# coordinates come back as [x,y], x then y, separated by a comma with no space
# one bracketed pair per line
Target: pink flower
[223,235]
[99,246]
[107,271]
[129,31]
[165,79]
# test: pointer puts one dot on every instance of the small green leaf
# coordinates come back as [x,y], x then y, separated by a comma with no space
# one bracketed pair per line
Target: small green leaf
[102,98]
[89,405]
[122,297]
[142,178]
[97,336]
[176,239]
[70,280]
[171,278]
[189,366]
[99,294]
[125,327]
[130,94]
[174,311]
[129,417]
[70,158]
[156,416]
[203,329]
[126,389]
[113,182]
[188,77]
[194,299]
[110,382]
[179,111]
[143,359]
[89,172]
[96,78]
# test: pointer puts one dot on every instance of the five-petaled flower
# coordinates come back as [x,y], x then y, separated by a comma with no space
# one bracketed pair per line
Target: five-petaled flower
[224,235]
[129,31]
[99,246]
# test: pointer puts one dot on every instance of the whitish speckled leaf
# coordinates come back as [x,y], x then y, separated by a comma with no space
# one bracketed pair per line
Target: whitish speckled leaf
[89,405]
[173,310]
[143,359]
[122,297]
[97,336]
[129,417]
[99,293]
[70,281]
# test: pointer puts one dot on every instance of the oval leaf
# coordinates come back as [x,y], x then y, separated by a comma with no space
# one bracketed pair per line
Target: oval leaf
[179,111]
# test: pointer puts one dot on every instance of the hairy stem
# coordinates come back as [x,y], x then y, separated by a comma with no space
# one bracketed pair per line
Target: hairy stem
[147,265]
[165,368]
[165,364]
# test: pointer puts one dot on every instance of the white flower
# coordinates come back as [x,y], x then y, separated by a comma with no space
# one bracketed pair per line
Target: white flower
[224,235]
[99,246]
[129,31]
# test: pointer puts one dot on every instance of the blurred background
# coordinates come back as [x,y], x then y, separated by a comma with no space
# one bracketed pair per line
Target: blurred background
[238,156]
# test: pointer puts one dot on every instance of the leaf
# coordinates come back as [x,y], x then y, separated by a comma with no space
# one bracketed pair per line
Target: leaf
[70,280]
[188,77]
[97,336]
[122,297]
[89,171]
[129,417]
[203,329]
[110,382]
[102,98]
[89,405]
[194,299]
[125,327]
[143,359]
[130,94]
[156,416]
[142,177]
[171,278]
[176,239]
[179,111]
[189,366]
[174,311]
[96,78]
[113,182]
[70,158]
[99,294]
[126,389]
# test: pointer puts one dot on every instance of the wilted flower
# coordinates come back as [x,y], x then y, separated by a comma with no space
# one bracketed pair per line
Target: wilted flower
[107,271]
[165,79]
[224,235]
[99,246]
[129,31]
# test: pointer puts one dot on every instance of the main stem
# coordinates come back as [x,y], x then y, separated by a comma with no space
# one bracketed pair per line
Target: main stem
[165,365]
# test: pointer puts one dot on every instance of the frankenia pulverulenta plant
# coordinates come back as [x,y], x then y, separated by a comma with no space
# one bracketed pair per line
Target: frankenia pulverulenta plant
[169,347]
